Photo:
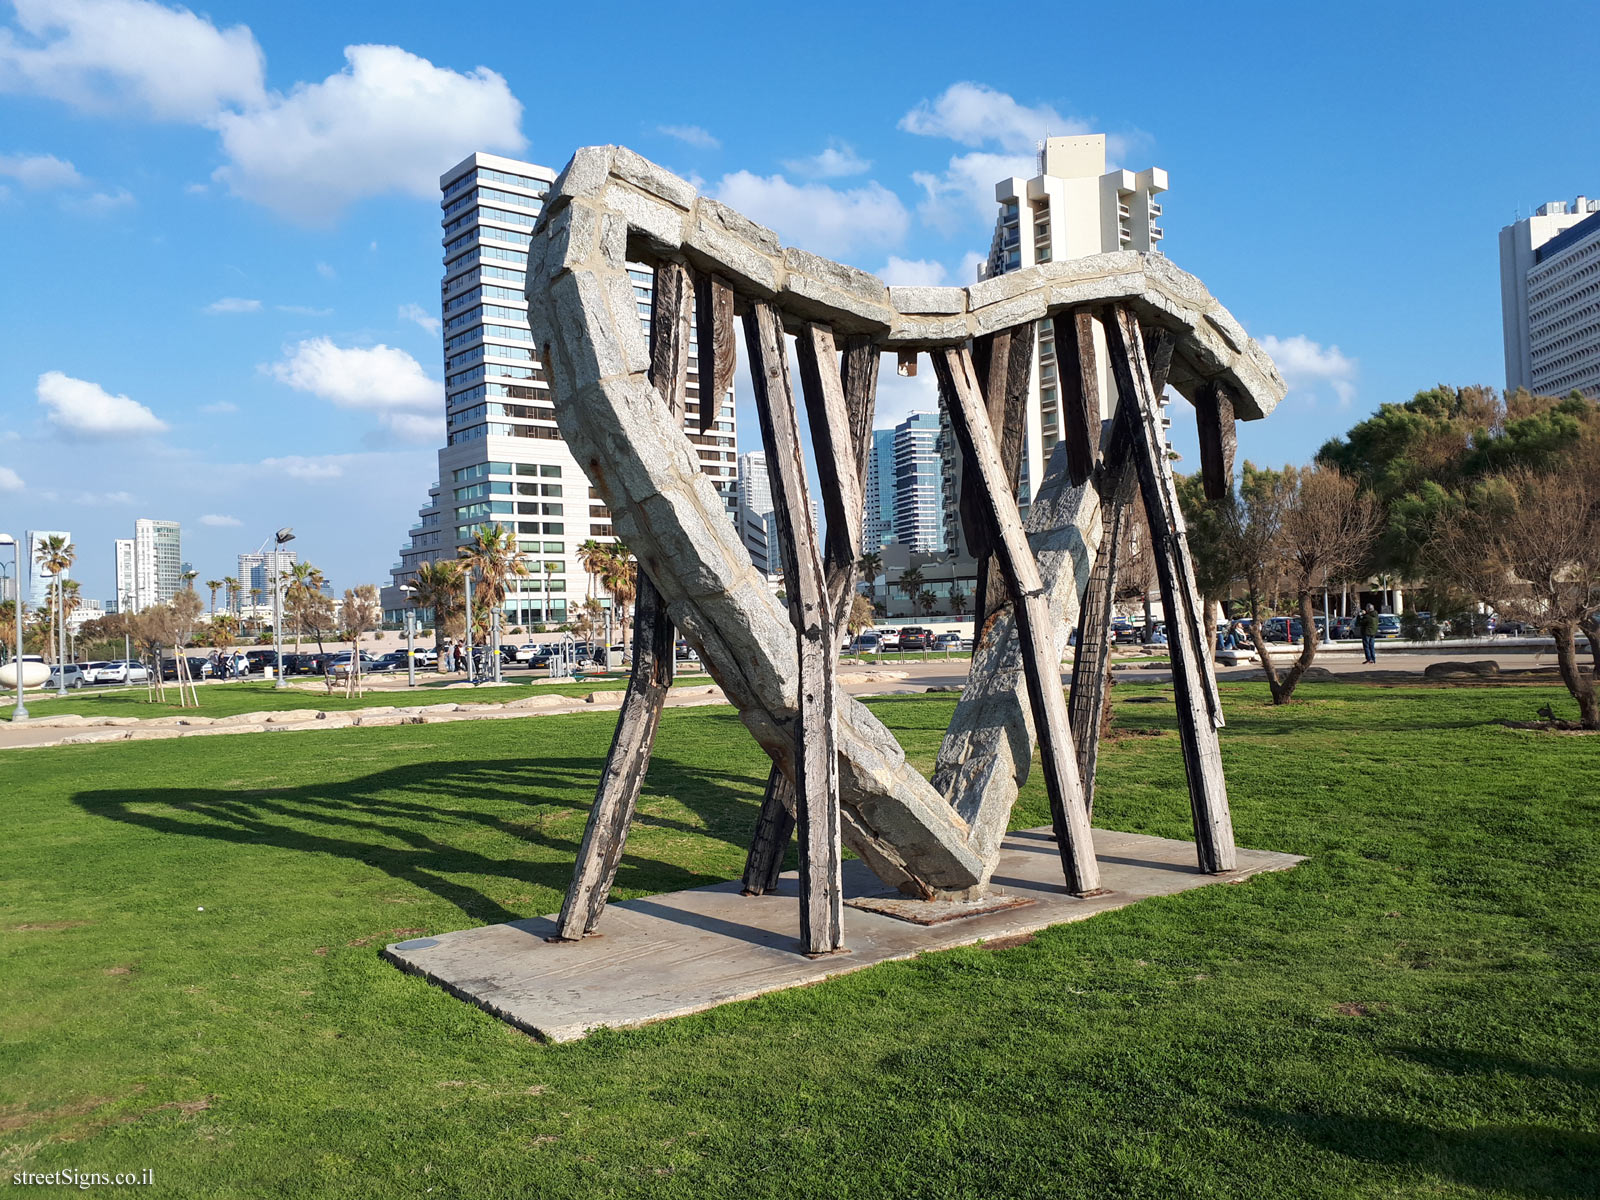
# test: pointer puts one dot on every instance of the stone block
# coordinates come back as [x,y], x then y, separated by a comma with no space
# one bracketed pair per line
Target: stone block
[759,237]
[658,181]
[661,223]
[747,268]
[928,299]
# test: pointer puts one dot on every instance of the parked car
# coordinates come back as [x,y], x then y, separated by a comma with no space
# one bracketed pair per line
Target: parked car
[91,671]
[947,641]
[1123,633]
[199,668]
[66,674]
[888,638]
[339,664]
[915,637]
[393,661]
[123,672]
[865,642]
[1344,629]
[1283,629]
[1388,625]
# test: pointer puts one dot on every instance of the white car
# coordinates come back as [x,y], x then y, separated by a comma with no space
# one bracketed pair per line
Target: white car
[91,671]
[888,639]
[122,672]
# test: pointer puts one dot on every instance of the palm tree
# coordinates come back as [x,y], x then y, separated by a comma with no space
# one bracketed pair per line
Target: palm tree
[55,555]
[493,555]
[301,580]
[870,563]
[593,556]
[622,581]
[927,600]
[215,585]
[437,585]
[909,582]
[232,585]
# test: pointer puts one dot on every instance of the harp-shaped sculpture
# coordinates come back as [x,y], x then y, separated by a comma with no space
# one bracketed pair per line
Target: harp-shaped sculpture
[1126,324]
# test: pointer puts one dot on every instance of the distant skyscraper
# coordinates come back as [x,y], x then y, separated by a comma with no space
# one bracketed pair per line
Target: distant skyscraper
[157,562]
[125,577]
[38,592]
[877,529]
[918,483]
[755,506]
[257,571]
[1549,264]
[504,460]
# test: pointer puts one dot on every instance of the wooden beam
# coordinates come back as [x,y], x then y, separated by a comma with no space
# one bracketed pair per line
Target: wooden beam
[1219,439]
[1035,626]
[716,348]
[620,783]
[1005,396]
[775,825]
[1078,386]
[670,306]
[834,448]
[1199,708]
[1117,483]
[816,768]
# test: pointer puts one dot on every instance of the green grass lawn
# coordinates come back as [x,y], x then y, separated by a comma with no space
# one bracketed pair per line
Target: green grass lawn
[230,699]
[1412,1012]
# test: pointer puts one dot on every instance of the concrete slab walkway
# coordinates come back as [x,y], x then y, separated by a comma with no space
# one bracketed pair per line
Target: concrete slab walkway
[684,952]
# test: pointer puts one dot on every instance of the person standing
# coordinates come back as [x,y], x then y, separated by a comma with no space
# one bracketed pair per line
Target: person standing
[1367,627]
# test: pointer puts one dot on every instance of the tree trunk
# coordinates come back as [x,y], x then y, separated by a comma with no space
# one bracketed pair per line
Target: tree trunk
[1583,690]
[1258,638]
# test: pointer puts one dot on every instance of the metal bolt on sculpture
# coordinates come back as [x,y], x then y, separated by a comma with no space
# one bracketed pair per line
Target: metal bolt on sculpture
[1126,320]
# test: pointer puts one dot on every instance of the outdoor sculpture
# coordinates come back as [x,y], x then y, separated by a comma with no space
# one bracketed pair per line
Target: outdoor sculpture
[838,774]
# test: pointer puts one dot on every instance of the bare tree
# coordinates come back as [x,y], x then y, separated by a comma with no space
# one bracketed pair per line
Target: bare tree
[358,612]
[1528,544]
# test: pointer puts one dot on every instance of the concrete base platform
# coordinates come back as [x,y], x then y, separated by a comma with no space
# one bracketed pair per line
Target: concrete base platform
[683,952]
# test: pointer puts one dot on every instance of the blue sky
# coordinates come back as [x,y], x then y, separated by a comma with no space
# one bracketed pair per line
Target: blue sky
[220,227]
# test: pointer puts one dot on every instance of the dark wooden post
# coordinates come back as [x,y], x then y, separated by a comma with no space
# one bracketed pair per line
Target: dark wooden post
[1002,362]
[816,770]
[1199,707]
[1213,413]
[650,678]
[716,353]
[1041,660]
[1078,385]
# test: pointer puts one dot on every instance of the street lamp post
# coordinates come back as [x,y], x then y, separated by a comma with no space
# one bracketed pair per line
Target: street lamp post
[472,669]
[281,538]
[411,625]
[20,712]
[494,641]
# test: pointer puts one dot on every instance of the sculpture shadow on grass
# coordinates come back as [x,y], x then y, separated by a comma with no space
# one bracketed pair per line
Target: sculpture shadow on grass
[411,821]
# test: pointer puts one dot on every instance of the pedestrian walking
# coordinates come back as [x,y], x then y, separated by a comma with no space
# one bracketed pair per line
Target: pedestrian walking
[1367,627]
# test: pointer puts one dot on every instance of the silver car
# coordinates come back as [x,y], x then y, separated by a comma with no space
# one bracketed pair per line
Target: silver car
[66,674]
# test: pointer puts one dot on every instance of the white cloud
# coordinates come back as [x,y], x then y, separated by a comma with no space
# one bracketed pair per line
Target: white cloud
[900,395]
[912,272]
[816,217]
[975,114]
[220,521]
[10,481]
[114,56]
[299,466]
[78,408]
[39,170]
[418,428]
[838,161]
[303,310]
[326,271]
[692,134]
[381,379]
[98,204]
[384,124]
[196,189]
[1305,363]
[420,316]
[233,304]
[220,406]
[964,191]
[100,499]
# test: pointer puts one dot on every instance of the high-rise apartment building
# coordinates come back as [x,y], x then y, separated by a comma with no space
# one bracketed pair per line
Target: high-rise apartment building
[125,576]
[754,511]
[919,483]
[1550,299]
[877,529]
[37,593]
[157,562]
[256,573]
[1073,208]
[504,460]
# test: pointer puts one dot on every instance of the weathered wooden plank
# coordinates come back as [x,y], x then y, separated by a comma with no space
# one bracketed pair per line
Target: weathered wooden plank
[1078,387]
[775,824]
[774,828]
[670,306]
[618,794]
[835,450]
[1117,482]
[1041,659]
[816,777]
[1006,401]
[716,347]
[1199,709]
[1213,412]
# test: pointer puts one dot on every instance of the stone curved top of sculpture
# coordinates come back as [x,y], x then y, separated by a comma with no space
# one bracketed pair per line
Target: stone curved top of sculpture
[620,403]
